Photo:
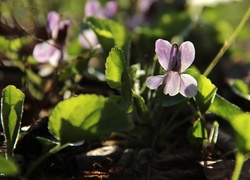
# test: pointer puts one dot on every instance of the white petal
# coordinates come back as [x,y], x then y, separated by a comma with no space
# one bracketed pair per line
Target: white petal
[188,86]
[55,57]
[163,50]
[172,86]
[187,55]
[154,82]
[43,51]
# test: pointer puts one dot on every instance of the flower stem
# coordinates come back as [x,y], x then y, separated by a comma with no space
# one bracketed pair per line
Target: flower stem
[240,158]
[228,43]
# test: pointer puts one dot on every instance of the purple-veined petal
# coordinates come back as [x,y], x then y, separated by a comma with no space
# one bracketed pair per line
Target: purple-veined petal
[188,86]
[163,51]
[43,51]
[154,82]
[187,54]
[172,86]
[92,8]
[52,22]
[110,9]
[88,39]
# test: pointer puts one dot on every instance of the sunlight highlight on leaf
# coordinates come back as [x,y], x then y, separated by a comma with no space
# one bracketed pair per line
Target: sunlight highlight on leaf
[87,117]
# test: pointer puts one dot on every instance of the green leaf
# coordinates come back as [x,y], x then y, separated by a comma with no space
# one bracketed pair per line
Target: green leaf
[87,117]
[241,125]
[110,34]
[199,130]
[8,167]
[117,75]
[12,109]
[206,90]
[224,109]
[240,88]
[173,100]
[239,120]
[75,67]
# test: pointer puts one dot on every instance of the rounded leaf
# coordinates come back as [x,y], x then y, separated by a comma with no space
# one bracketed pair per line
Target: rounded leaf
[87,117]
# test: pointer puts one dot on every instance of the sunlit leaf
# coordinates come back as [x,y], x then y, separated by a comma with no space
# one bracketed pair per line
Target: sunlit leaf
[206,90]
[110,34]
[240,88]
[117,74]
[12,109]
[8,167]
[199,130]
[87,117]
[241,125]
[239,120]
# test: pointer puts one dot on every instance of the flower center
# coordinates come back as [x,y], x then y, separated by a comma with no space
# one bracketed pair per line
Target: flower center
[175,58]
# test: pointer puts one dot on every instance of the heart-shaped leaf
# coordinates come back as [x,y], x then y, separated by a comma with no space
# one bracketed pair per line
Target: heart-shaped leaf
[239,120]
[87,117]
[206,90]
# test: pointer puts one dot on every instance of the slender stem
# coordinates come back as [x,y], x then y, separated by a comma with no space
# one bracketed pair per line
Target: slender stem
[228,43]
[240,158]
[45,156]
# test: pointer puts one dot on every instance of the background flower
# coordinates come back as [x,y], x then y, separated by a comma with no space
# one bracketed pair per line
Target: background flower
[52,50]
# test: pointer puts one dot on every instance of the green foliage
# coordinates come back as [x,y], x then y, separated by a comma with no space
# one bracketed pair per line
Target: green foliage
[240,88]
[199,130]
[11,109]
[87,117]
[75,67]
[8,167]
[110,34]
[239,120]
[206,90]
[117,76]
[170,101]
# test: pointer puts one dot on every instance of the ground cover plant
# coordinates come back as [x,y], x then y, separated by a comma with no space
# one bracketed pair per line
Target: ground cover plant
[125,89]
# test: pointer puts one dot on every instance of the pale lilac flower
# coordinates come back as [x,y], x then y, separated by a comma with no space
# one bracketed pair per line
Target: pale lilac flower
[175,60]
[52,50]
[88,39]
[93,8]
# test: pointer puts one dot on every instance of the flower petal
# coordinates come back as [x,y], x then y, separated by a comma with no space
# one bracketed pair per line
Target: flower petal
[55,57]
[154,82]
[187,54]
[92,8]
[88,39]
[52,22]
[172,86]
[163,51]
[188,86]
[110,9]
[43,51]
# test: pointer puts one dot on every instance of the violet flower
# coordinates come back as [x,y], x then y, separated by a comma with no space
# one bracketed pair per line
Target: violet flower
[52,50]
[175,60]
[93,8]
[88,38]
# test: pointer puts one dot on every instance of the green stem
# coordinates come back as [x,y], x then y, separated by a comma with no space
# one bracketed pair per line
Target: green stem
[240,158]
[228,43]
[44,157]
